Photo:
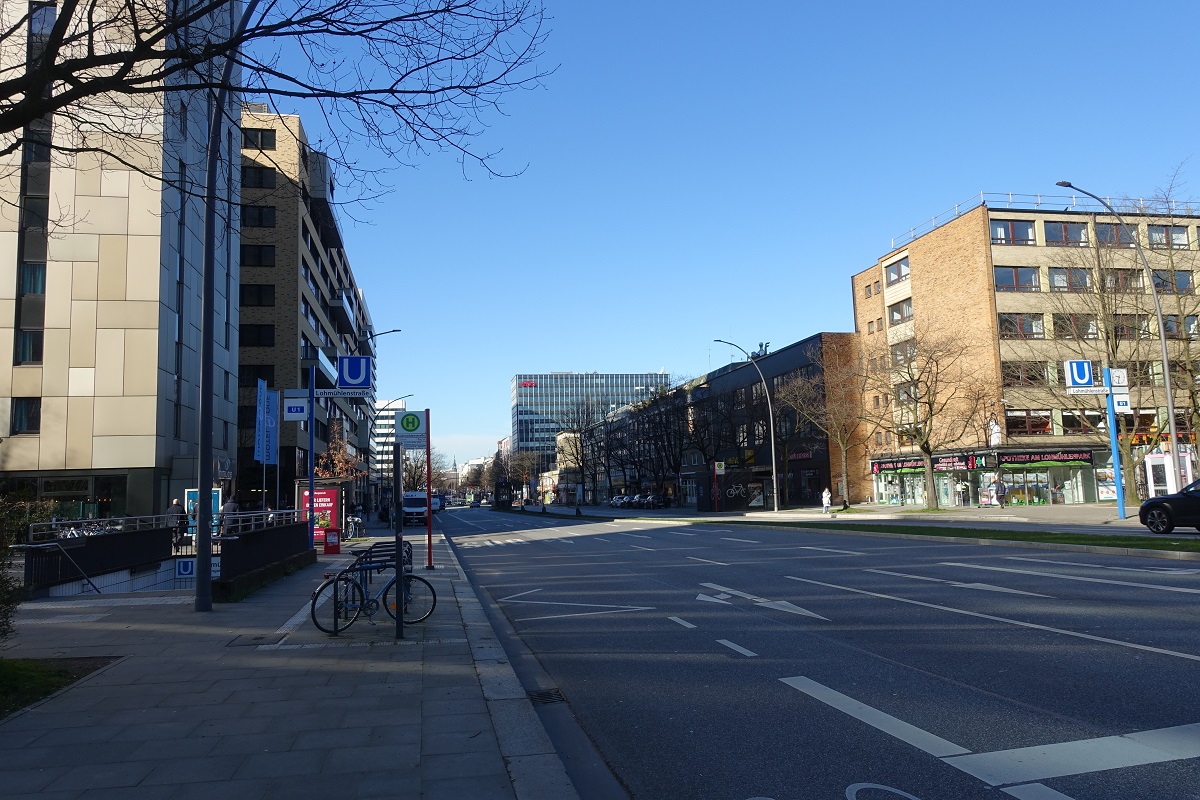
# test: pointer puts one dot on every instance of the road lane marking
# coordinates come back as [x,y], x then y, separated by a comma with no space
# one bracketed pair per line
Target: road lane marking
[1035,791]
[706,561]
[600,539]
[832,550]
[778,605]
[1005,620]
[737,648]
[710,599]
[987,587]
[1073,577]
[733,592]
[909,734]
[637,535]
[1153,570]
[681,533]
[608,608]
[684,623]
[731,539]
[639,547]
[1026,764]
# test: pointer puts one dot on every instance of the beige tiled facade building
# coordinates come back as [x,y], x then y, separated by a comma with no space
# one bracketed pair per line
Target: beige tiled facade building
[301,307]
[1020,289]
[100,260]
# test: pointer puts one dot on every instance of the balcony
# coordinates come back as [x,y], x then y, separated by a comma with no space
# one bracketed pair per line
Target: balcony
[312,356]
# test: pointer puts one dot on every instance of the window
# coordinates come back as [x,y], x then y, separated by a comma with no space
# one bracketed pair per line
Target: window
[29,346]
[31,279]
[249,375]
[1141,373]
[1131,326]
[1168,282]
[258,294]
[1066,234]
[1075,326]
[257,335]
[868,290]
[1075,423]
[897,272]
[258,177]
[1070,279]
[903,352]
[876,287]
[1017,279]
[1027,422]
[258,139]
[875,403]
[258,255]
[1023,373]
[1022,326]
[1112,234]
[1012,231]
[258,216]
[1173,237]
[1173,330]
[26,415]
[1123,280]
[901,312]
[871,326]
[907,393]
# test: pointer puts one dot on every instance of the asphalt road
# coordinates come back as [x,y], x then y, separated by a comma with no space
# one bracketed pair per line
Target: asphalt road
[731,662]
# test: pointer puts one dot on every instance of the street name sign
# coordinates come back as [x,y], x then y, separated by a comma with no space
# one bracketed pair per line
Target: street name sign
[342,392]
[1087,390]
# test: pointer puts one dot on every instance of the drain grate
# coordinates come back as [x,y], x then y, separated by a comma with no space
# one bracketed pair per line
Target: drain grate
[546,697]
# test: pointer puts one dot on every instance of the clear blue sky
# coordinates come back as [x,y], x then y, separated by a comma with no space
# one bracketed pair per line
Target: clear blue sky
[701,169]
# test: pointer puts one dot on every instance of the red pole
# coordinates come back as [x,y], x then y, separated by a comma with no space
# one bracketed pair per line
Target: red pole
[428,496]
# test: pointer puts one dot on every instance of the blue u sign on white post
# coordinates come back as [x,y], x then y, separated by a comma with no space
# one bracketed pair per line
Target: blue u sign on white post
[354,372]
[1079,373]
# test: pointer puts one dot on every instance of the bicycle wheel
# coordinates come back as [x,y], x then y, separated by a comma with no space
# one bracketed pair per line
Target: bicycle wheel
[419,599]
[336,604]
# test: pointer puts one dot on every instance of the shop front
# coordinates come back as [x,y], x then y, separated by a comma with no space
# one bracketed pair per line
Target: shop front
[957,479]
[1052,477]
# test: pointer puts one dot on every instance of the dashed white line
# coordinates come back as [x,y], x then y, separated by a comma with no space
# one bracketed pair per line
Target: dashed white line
[731,539]
[1152,570]
[636,535]
[682,622]
[737,648]
[832,550]
[706,561]
[639,547]
[1156,586]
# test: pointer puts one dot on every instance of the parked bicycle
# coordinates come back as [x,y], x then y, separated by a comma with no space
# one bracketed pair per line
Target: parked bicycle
[341,599]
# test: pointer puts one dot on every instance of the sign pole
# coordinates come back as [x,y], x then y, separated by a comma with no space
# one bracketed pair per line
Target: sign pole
[1112,441]
[428,497]
[312,456]
[398,531]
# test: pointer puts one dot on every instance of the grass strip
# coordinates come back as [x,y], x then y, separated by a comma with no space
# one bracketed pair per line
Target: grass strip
[26,680]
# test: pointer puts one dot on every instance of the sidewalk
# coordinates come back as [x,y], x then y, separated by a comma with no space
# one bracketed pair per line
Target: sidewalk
[251,701]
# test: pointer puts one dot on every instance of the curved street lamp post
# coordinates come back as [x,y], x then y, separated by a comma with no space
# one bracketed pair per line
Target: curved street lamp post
[1173,477]
[770,420]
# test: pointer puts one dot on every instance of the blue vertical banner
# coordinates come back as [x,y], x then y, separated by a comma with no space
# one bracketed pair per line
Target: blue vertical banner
[260,427]
[271,428]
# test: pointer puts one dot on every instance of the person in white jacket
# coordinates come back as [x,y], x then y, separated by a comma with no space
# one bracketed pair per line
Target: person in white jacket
[826,498]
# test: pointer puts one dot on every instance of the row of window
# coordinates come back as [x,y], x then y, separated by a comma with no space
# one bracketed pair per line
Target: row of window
[1075,234]
[1079,279]
[1046,373]
[1086,326]
[1041,422]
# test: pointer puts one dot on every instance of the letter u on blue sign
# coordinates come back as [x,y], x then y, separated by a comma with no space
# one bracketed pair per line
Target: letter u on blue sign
[354,372]
[1079,373]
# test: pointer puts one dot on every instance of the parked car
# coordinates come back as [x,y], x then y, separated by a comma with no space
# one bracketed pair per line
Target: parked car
[1163,513]
[617,501]
[639,501]
[654,501]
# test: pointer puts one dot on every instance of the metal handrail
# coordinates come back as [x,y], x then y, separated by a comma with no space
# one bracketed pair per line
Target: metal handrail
[76,528]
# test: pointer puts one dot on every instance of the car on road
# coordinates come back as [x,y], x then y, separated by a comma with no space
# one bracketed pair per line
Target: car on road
[474,504]
[1164,513]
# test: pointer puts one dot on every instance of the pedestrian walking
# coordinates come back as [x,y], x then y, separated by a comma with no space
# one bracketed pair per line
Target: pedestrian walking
[230,508]
[177,519]
[1001,490]
[826,499]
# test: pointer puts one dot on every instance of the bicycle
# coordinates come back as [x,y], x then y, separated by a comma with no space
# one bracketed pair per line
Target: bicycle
[339,601]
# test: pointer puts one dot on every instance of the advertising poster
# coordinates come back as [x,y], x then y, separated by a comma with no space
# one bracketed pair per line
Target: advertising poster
[1106,485]
[326,503]
[190,496]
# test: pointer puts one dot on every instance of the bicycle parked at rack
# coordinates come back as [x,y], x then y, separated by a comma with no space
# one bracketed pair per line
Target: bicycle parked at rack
[343,597]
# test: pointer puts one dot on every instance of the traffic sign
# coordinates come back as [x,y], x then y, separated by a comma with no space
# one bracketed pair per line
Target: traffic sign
[1079,373]
[720,467]
[410,430]
[295,408]
[1087,390]
[354,372]
[1121,402]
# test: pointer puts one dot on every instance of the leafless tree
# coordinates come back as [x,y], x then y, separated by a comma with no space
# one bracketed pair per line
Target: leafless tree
[415,475]
[921,392]
[580,422]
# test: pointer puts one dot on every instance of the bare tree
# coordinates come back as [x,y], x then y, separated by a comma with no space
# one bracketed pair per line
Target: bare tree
[405,76]
[415,475]
[581,422]
[921,391]
[827,395]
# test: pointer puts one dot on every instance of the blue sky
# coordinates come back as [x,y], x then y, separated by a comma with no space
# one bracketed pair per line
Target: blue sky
[696,171]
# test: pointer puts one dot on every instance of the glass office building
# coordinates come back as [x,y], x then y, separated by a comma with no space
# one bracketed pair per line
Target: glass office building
[543,404]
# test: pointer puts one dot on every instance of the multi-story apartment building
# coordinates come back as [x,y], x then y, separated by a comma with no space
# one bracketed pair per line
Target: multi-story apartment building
[1004,293]
[301,307]
[545,403]
[383,446]
[100,293]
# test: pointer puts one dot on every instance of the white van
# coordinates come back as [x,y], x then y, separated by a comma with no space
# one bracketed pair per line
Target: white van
[416,506]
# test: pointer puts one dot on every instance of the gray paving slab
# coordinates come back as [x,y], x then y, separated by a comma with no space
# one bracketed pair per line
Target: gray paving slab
[251,701]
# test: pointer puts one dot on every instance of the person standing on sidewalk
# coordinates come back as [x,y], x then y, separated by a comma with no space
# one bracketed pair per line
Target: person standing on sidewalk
[826,499]
[1001,490]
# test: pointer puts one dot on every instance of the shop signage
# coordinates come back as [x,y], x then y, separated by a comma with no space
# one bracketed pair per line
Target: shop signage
[896,464]
[1059,456]
[950,463]
[528,384]
[800,455]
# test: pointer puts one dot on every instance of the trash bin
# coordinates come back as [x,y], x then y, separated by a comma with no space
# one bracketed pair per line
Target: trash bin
[333,541]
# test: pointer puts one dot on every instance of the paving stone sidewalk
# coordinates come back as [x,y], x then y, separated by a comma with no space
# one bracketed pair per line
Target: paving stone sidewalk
[250,701]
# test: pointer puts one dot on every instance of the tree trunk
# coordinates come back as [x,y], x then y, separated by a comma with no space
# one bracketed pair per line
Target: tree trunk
[931,500]
[845,478]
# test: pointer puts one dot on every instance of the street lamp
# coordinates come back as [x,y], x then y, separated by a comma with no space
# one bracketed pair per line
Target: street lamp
[375,418]
[370,337]
[1172,465]
[770,418]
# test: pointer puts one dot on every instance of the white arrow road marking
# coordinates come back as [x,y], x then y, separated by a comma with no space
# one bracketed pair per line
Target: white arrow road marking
[709,599]
[684,623]
[1154,570]
[731,539]
[1024,765]
[1034,626]
[987,587]
[1074,577]
[706,561]
[737,648]
[611,609]
[778,605]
